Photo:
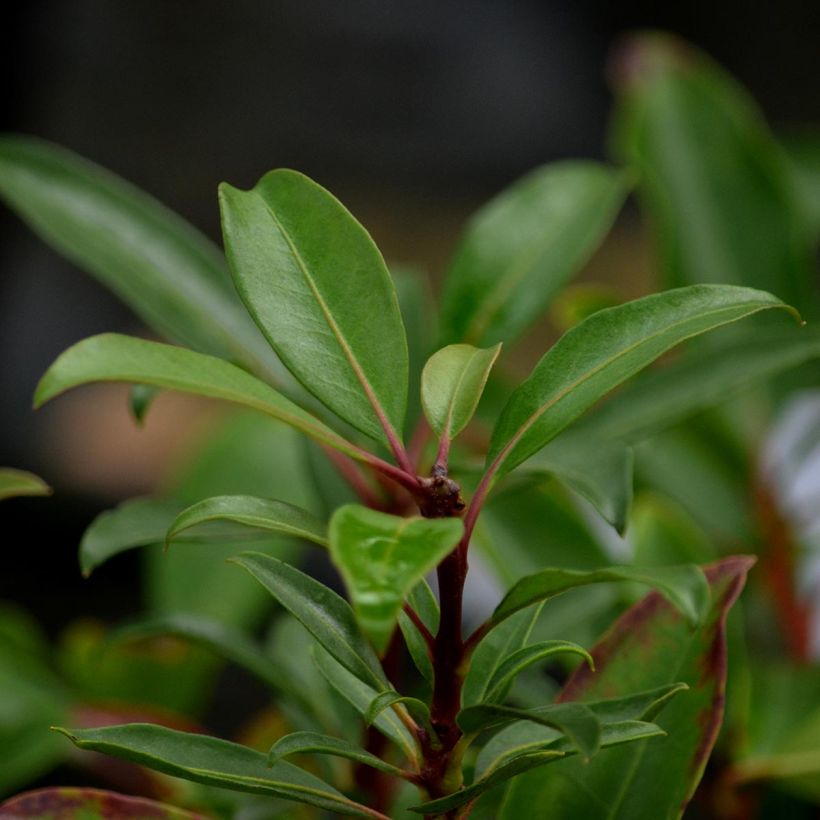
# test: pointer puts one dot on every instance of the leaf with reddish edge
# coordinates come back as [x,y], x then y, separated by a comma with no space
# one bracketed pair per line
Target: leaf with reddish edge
[92,804]
[651,644]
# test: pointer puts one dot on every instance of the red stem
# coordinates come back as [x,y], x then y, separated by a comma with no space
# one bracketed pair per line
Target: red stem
[351,473]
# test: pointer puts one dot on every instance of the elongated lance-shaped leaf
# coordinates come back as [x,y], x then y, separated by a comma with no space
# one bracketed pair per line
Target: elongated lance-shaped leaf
[522,247]
[605,350]
[418,709]
[683,586]
[139,522]
[423,601]
[382,557]
[214,762]
[451,385]
[312,742]
[575,720]
[326,615]
[20,482]
[248,511]
[169,273]
[90,804]
[650,645]
[111,357]
[317,286]
[525,657]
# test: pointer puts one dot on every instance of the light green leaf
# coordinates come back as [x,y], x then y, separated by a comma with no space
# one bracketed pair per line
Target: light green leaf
[214,762]
[321,611]
[451,385]
[307,742]
[317,286]
[523,246]
[684,587]
[248,511]
[382,557]
[172,276]
[111,357]
[605,350]
[19,482]
[424,602]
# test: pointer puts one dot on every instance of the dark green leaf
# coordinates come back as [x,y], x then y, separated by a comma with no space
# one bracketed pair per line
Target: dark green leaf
[803,156]
[141,398]
[213,762]
[317,286]
[425,604]
[605,350]
[382,557]
[19,482]
[418,709]
[523,246]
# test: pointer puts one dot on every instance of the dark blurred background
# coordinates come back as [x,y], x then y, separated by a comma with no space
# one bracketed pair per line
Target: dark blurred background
[412,113]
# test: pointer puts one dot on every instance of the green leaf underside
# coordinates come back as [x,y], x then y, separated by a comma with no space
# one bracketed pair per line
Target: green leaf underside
[326,615]
[684,586]
[136,523]
[213,762]
[110,357]
[648,646]
[318,288]
[312,742]
[451,385]
[417,708]
[167,271]
[522,247]
[424,602]
[88,804]
[605,350]
[19,482]
[249,511]
[382,557]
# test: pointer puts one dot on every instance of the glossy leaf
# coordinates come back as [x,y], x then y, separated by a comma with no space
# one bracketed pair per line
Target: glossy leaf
[65,803]
[650,645]
[683,586]
[311,742]
[136,523]
[451,385]
[321,611]
[171,275]
[424,602]
[214,762]
[317,286]
[110,357]
[19,482]
[382,557]
[605,350]
[248,511]
[523,246]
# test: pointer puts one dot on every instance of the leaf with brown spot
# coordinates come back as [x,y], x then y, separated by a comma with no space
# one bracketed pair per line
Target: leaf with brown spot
[650,645]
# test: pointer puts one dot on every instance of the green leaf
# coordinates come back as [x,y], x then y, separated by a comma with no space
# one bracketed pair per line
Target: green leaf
[88,804]
[605,350]
[167,271]
[321,611]
[525,657]
[803,156]
[382,557]
[19,482]
[136,523]
[684,587]
[111,357]
[523,246]
[451,385]
[248,511]
[418,709]
[424,602]
[713,180]
[214,762]
[649,646]
[307,742]
[141,398]
[317,286]
[575,720]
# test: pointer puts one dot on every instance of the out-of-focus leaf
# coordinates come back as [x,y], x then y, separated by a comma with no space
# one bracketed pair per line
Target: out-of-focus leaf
[803,156]
[577,302]
[425,604]
[713,180]
[163,268]
[524,245]
[19,482]
[601,353]
[141,397]
[317,286]
[382,557]
[214,762]
[650,645]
